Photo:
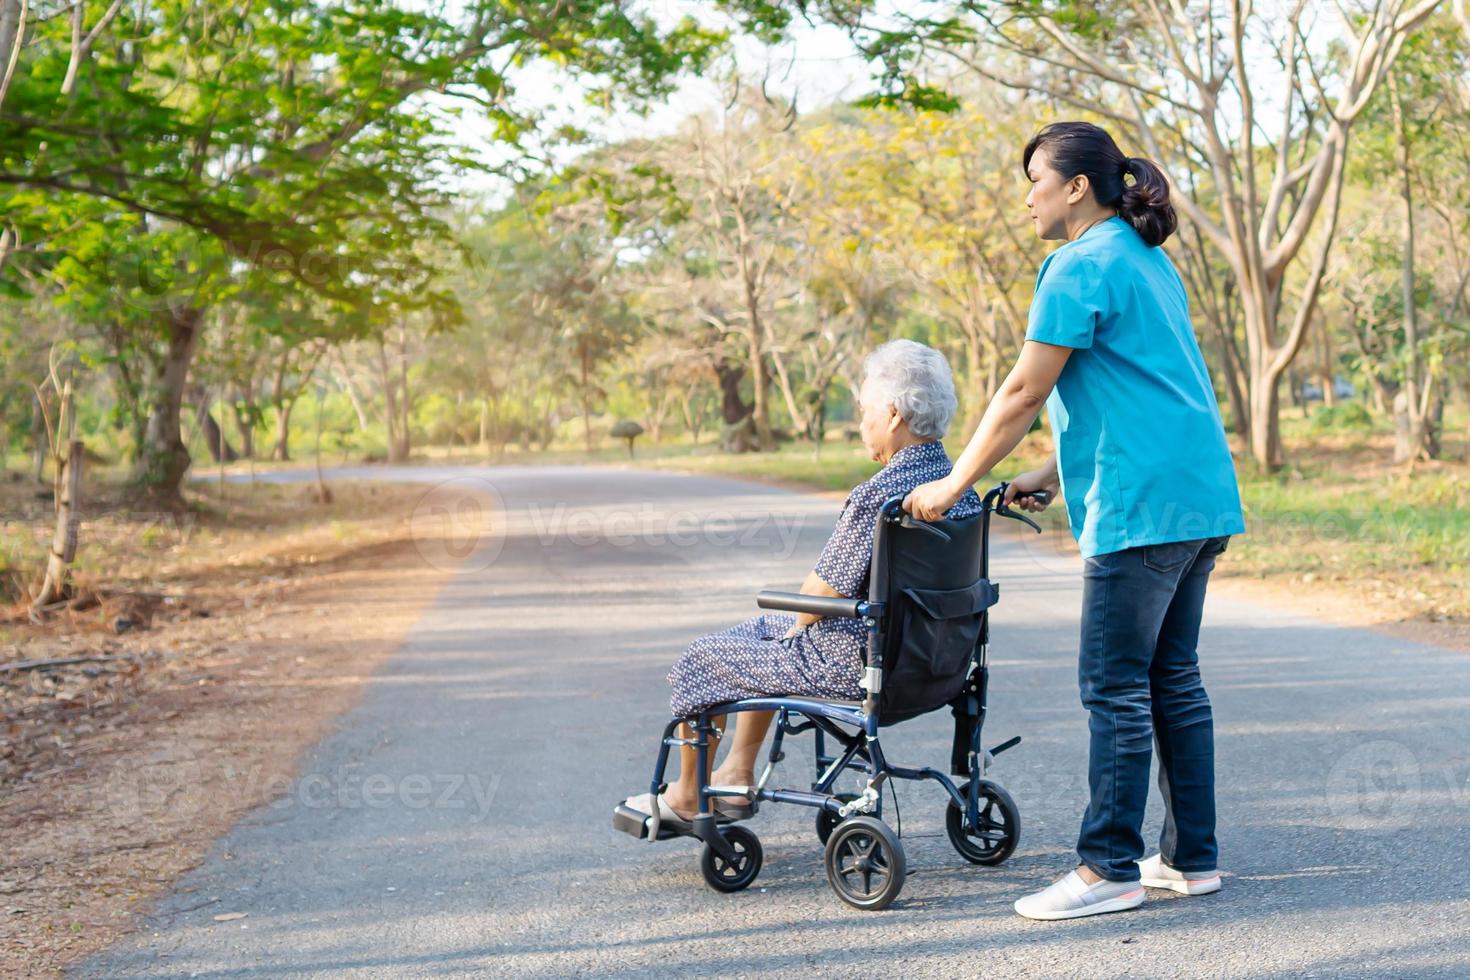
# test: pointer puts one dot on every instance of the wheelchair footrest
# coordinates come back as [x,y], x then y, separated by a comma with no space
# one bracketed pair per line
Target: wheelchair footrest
[1009,743]
[635,823]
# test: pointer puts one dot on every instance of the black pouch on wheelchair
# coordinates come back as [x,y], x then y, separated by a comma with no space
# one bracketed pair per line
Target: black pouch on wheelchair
[937,630]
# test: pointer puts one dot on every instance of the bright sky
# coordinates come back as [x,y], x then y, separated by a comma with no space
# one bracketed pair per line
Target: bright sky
[818,66]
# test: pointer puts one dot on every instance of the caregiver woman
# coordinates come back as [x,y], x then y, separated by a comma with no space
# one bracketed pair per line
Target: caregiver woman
[1143,466]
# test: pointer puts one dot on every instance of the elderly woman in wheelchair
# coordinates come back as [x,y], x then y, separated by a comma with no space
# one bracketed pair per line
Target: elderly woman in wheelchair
[888,595]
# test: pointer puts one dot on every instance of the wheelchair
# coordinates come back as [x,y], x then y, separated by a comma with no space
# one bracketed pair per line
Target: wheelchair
[927,616]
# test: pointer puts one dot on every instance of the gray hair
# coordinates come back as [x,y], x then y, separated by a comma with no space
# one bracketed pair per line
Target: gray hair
[916,381]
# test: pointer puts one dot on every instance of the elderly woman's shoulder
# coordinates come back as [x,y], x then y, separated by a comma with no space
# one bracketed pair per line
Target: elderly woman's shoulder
[872,491]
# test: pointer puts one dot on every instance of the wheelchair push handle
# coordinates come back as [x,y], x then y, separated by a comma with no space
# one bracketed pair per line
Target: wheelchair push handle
[995,501]
[893,512]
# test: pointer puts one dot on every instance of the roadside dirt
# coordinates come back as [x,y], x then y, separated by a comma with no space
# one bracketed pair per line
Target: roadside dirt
[1362,606]
[117,775]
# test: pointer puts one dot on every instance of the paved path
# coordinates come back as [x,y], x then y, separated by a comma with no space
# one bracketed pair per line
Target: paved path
[457,822]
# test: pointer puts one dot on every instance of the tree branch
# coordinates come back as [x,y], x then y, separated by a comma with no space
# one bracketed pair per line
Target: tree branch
[81,46]
[1284,354]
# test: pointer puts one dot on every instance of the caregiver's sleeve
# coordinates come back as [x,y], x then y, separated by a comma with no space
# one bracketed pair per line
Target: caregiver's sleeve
[1070,301]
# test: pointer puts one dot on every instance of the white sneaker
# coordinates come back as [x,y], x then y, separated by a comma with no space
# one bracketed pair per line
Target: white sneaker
[1070,897]
[1156,874]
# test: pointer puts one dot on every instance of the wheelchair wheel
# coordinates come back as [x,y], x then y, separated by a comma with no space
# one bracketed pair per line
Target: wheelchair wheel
[999,831]
[732,876]
[827,821]
[865,863]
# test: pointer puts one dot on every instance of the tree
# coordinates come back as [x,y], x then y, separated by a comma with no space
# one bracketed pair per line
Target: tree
[733,178]
[1415,142]
[292,137]
[627,430]
[1176,81]
[929,197]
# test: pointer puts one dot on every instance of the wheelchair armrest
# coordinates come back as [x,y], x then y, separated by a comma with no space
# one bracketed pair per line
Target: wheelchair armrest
[817,604]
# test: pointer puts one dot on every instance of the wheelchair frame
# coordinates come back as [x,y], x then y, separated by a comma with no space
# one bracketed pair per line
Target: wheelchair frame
[861,750]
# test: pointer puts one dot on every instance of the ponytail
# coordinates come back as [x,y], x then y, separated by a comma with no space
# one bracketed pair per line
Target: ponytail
[1144,204]
[1075,148]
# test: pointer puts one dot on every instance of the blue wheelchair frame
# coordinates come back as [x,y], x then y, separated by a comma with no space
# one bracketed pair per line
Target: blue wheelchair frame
[861,749]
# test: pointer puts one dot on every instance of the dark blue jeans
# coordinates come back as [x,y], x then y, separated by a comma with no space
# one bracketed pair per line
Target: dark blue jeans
[1139,674]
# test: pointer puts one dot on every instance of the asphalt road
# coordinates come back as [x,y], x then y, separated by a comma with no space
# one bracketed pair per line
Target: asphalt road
[457,823]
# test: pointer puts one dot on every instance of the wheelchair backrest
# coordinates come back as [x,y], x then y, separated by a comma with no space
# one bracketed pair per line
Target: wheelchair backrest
[931,580]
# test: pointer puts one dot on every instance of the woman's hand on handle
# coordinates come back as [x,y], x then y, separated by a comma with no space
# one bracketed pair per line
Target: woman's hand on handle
[1043,478]
[930,501]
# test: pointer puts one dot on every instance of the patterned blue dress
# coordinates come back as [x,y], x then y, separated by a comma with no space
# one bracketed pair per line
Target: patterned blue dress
[825,660]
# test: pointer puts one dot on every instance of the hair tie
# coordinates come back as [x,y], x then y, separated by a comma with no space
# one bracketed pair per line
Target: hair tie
[1127,165]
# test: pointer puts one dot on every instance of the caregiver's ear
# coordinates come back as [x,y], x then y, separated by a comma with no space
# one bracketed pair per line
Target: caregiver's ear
[1077,188]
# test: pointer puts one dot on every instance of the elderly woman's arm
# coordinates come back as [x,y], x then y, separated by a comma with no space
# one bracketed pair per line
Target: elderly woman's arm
[1007,419]
[814,585]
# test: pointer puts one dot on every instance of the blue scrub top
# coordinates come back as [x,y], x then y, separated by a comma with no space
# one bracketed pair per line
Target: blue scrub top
[1141,449]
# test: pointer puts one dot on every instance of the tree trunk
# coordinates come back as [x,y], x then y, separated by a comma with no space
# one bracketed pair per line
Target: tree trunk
[1265,418]
[242,407]
[162,457]
[736,430]
[549,423]
[1434,426]
[12,39]
[693,420]
[1327,378]
[323,492]
[68,520]
[390,402]
[405,402]
[1410,410]
[783,380]
[66,491]
[992,365]
[659,414]
[395,397]
[584,358]
[214,437]
[38,440]
[1467,424]
[282,450]
[760,412]
[1230,358]
[348,385]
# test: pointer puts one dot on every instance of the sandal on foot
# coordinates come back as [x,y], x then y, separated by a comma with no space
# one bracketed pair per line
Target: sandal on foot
[730,809]
[667,815]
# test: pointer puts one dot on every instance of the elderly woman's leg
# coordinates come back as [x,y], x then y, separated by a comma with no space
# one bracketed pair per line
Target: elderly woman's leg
[737,770]
[751,659]
[683,793]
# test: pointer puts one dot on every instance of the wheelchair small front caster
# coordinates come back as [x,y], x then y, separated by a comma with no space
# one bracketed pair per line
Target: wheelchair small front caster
[732,876]
[999,830]
[865,863]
